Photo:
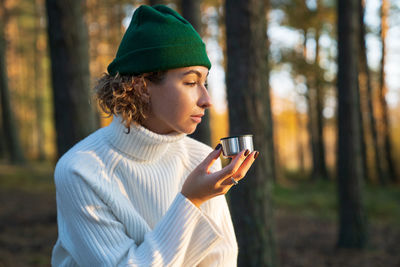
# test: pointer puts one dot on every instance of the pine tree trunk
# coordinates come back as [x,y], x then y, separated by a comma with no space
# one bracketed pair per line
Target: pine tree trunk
[115,21]
[312,130]
[352,219]
[250,112]
[311,106]
[39,87]
[156,2]
[68,41]
[382,93]
[315,121]
[10,132]
[3,152]
[320,171]
[363,147]
[366,79]
[192,12]
[299,143]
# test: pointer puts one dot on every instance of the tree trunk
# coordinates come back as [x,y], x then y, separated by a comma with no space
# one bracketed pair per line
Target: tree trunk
[382,93]
[250,112]
[314,112]
[10,131]
[156,2]
[299,142]
[310,98]
[3,152]
[365,80]
[363,149]
[352,219]
[312,130]
[68,43]
[115,25]
[192,12]
[319,170]
[39,87]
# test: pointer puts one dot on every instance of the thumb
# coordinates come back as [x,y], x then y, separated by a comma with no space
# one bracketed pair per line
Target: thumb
[211,158]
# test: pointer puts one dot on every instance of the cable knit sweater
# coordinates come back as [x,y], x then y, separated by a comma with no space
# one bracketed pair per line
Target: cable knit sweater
[119,203]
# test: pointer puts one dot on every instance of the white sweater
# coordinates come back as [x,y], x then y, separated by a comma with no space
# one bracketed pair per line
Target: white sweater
[119,203]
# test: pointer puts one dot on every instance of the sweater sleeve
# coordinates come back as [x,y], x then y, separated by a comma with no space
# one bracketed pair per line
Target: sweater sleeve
[92,236]
[226,251]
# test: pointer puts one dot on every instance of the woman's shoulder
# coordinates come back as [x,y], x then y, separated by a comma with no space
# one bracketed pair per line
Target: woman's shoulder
[87,158]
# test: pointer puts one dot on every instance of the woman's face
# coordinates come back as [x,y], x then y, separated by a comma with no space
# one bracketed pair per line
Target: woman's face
[178,102]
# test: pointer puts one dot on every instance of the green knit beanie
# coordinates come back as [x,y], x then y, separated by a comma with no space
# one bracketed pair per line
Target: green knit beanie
[157,39]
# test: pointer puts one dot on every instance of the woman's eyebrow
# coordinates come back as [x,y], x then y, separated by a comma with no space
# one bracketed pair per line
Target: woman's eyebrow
[198,73]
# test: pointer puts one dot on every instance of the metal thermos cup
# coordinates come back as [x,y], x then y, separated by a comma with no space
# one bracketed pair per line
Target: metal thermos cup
[232,145]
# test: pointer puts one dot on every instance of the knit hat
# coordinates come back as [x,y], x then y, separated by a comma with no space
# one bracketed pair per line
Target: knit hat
[157,39]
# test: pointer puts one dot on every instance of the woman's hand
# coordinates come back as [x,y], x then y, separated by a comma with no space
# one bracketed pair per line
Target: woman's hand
[201,185]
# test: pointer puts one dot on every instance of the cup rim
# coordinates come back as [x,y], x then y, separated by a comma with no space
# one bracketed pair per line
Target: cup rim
[236,136]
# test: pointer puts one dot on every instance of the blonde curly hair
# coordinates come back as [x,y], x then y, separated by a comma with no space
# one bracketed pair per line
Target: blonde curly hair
[126,95]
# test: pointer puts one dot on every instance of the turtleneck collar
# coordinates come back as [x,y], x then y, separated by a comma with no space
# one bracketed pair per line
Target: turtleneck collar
[140,143]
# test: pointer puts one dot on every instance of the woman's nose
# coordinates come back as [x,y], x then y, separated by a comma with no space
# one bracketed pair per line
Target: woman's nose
[204,100]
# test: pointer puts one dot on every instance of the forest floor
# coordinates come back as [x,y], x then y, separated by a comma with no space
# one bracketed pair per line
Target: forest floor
[306,228]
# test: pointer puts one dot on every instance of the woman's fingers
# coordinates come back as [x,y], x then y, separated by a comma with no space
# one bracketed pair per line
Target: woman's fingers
[201,185]
[232,167]
[243,169]
[211,158]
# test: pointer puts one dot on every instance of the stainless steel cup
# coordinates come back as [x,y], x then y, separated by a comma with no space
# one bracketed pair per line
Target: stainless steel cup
[232,145]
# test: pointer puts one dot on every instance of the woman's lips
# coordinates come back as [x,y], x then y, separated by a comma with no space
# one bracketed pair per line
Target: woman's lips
[197,118]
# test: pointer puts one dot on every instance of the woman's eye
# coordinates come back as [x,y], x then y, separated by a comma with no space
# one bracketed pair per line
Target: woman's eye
[191,84]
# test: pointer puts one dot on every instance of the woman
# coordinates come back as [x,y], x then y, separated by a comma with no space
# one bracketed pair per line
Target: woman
[139,192]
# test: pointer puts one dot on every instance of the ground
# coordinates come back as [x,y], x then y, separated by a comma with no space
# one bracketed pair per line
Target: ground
[28,228]
[309,241]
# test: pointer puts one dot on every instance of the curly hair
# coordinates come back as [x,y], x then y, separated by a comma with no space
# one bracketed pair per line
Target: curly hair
[126,95]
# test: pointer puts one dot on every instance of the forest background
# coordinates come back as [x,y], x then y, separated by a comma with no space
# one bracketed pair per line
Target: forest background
[302,70]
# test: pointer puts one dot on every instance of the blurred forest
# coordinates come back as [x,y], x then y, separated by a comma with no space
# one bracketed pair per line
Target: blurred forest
[316,81]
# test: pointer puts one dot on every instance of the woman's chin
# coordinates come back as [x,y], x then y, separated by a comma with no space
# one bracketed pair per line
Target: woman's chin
[190,130]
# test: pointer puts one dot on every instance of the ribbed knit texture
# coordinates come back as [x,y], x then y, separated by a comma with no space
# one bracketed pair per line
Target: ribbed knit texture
[119,203]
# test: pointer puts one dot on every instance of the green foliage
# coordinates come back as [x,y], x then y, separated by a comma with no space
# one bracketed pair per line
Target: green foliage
[33,177]
[319,199]
[312,198]
[383,203]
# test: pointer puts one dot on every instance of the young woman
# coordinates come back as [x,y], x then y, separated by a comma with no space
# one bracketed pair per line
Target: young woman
[139,192]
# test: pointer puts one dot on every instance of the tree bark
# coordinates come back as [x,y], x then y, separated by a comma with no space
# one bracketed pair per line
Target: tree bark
[312,130]
[382,93]
[319,170]
[68,41]
[314,97]
[39,87]
[156,2]
[10,131]
[363,148]
[191,11]
[3,152]
[250,112]
[365,80]
[352,219]
[299,142]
